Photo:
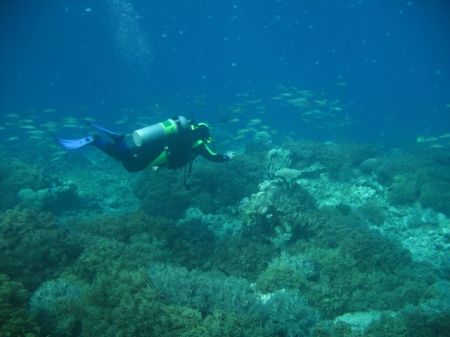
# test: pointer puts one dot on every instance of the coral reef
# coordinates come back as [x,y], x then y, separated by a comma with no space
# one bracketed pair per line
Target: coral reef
[305,239]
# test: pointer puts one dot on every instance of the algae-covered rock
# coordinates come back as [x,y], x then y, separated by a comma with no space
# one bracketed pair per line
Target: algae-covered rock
[56,199]
[404,190]
[15,176]
[273,210]
[435,193]
[277,159]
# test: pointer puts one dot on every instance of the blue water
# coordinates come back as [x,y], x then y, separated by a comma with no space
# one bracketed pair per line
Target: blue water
[387,61]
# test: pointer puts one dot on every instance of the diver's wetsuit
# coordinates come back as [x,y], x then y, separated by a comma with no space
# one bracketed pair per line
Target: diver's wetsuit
[176,153]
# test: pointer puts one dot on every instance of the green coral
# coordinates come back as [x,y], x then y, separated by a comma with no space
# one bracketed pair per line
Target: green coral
[212,186]
[287,271]
[217,186]
[15,320]
[162,193]
[242,256]
[412,322]
[220,324]
[33,247]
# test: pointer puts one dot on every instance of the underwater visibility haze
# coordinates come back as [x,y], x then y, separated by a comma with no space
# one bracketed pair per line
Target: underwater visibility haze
[304,192]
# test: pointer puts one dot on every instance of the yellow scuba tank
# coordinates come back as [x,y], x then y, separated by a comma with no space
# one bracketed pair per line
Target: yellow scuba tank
[160,131]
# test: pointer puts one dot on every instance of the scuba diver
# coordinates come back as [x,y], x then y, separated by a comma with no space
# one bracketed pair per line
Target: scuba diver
[174,144]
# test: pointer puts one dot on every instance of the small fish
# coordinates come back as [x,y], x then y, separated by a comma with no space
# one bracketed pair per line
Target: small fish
[421,139]
[11,115]
[254,121]
[49,110]
[254,101]
[298,100]
[276,98]
[321,102]
[28,127]
[59,153]
[243,131]
[36,132]
[306,93]
[335,102]
[262,134]
[237,110]
[11,139]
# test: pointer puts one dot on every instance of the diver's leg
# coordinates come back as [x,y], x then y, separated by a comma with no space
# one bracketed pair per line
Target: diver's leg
[114,135]
[118,149]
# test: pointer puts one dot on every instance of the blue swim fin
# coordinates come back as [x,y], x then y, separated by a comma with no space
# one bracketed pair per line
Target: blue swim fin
[72,144]
[114,135]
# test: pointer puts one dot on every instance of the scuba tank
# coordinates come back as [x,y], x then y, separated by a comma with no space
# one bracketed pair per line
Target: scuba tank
[160,131]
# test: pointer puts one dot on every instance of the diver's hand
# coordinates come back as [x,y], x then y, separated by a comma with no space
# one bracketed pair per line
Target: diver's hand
[230,155]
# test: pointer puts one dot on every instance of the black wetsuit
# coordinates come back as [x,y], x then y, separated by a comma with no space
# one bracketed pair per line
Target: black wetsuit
[174,153]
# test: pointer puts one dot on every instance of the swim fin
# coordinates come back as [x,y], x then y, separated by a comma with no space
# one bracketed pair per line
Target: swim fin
[72,144]
[114,135]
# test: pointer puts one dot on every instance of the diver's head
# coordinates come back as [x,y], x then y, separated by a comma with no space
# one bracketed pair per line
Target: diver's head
[202,132]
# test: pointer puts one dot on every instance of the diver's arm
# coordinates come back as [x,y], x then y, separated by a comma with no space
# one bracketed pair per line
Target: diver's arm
[205,151]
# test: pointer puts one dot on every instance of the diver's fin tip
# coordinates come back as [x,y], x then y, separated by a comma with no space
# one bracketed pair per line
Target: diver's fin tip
[72,144]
